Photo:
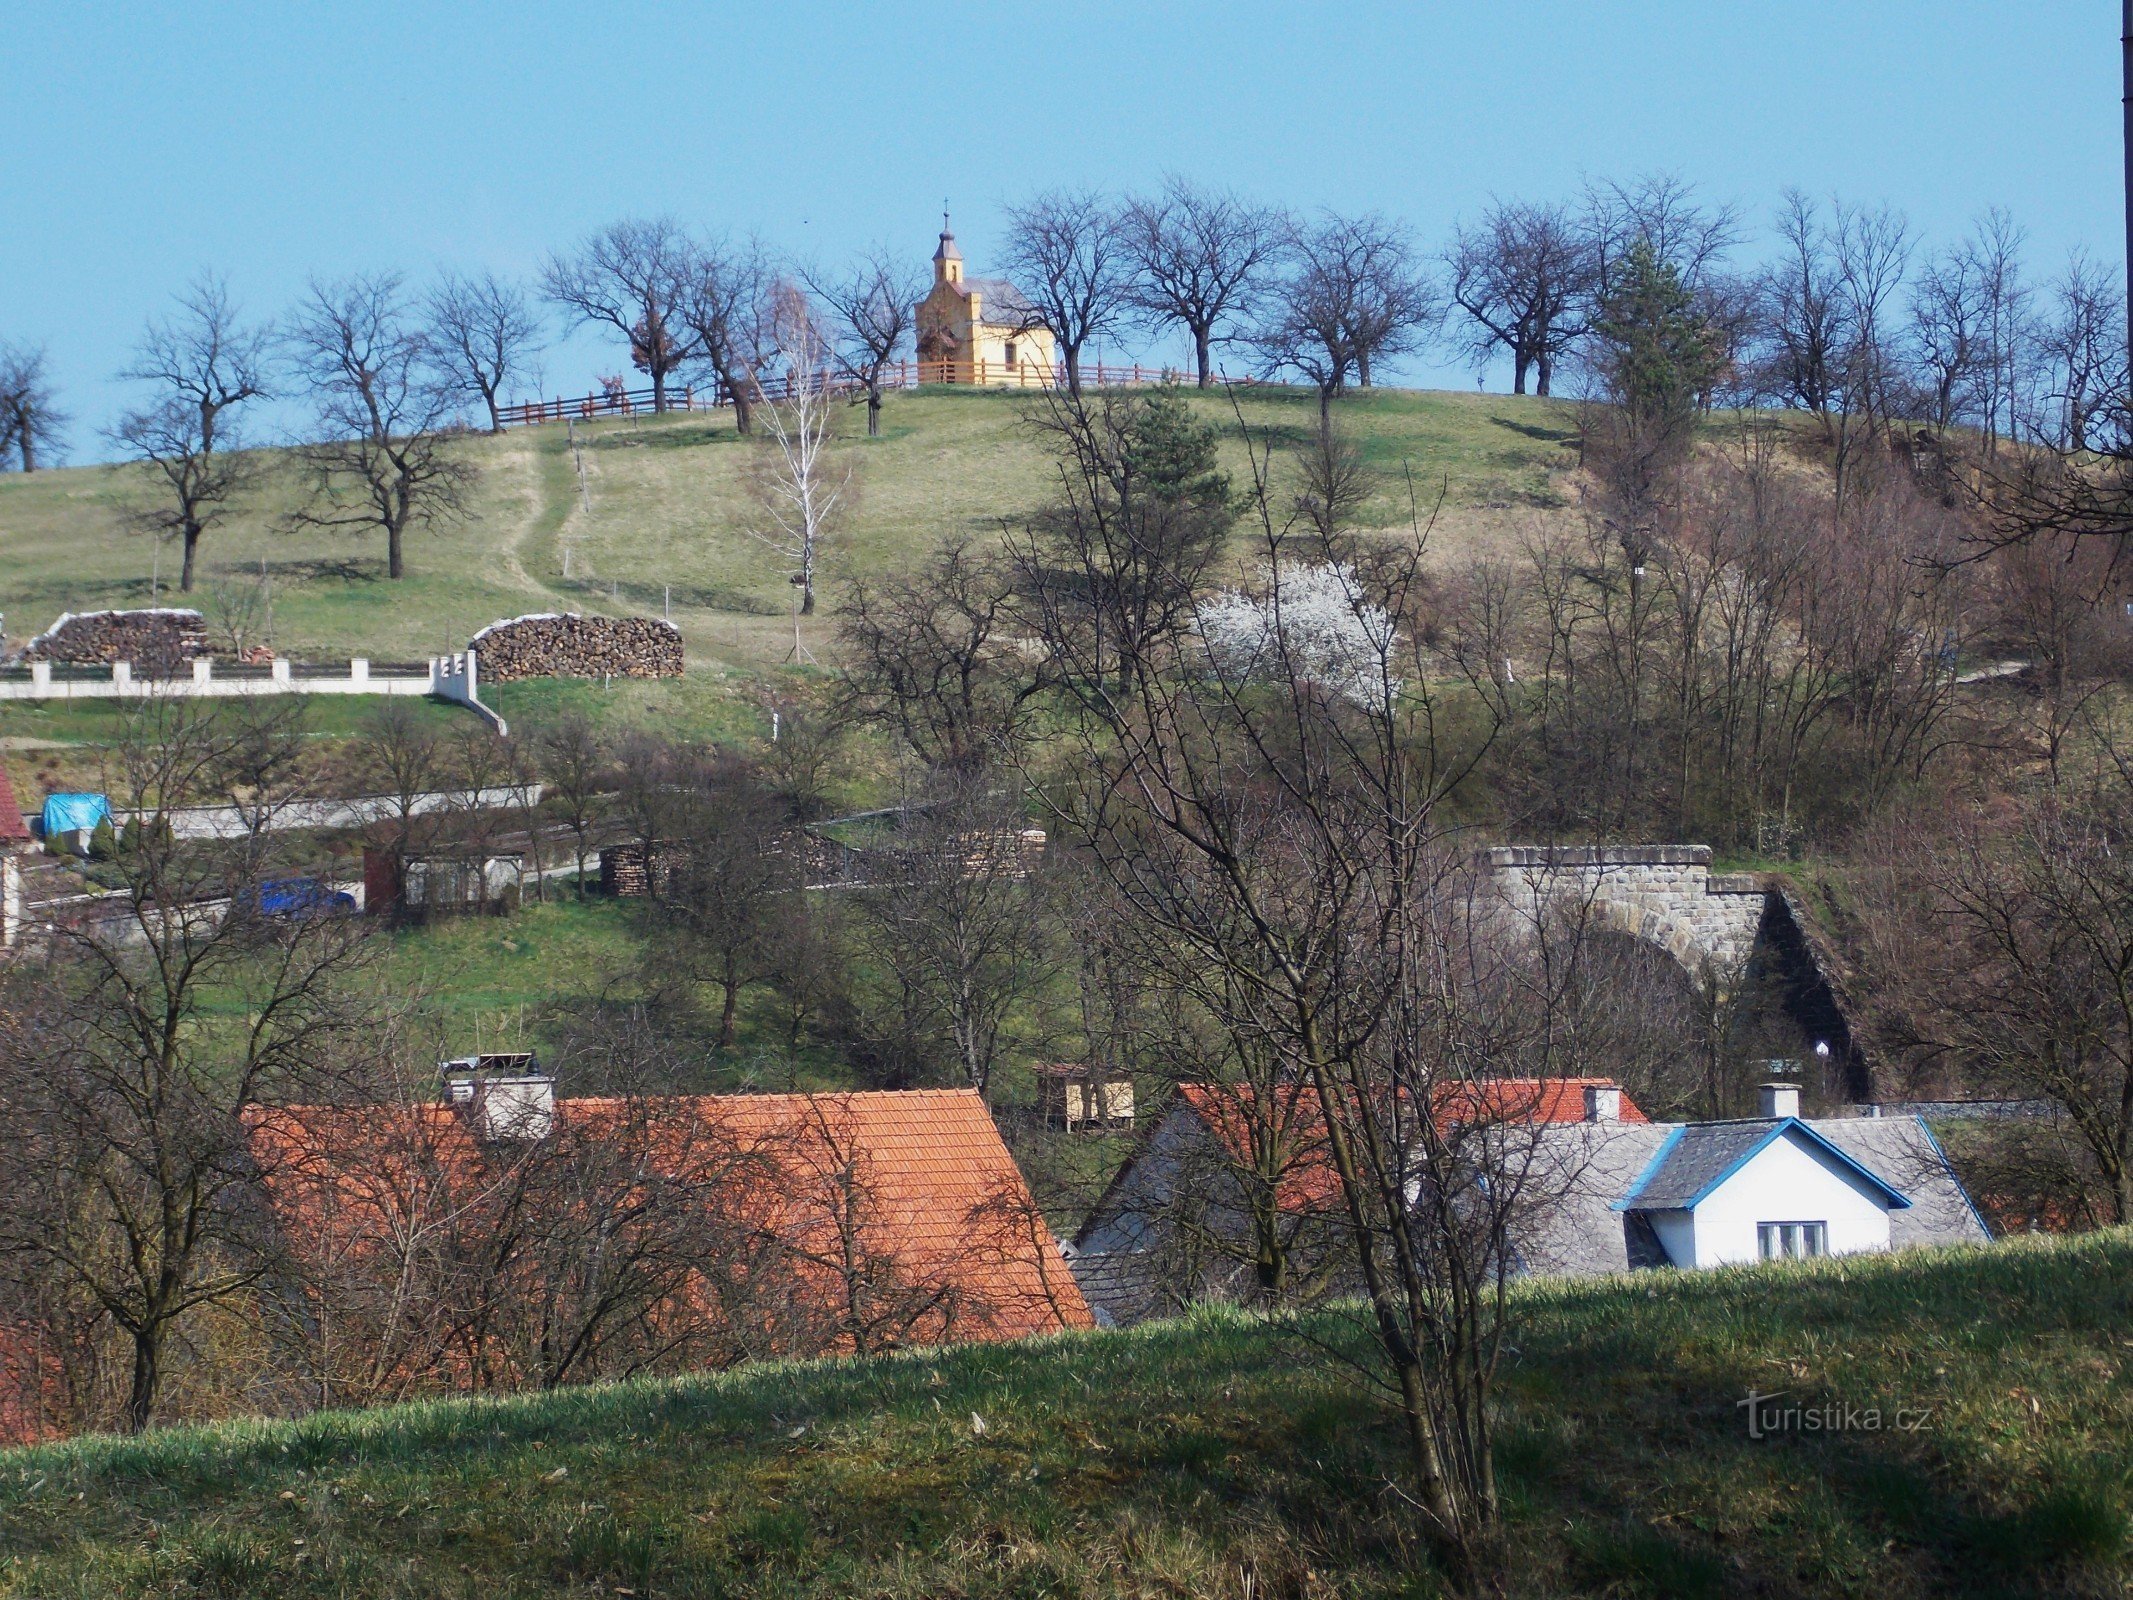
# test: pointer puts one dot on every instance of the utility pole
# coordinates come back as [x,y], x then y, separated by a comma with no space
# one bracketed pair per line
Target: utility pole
[2125,50]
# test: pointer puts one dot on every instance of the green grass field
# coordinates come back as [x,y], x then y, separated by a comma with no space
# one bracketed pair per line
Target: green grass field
[668,512]
[1208,1457]
[663,528]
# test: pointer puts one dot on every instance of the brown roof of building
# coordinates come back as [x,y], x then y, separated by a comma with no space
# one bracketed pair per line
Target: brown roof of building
[13,830]
[941,1203]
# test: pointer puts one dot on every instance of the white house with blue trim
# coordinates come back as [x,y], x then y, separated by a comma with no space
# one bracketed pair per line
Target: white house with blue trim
[1721,1193]
[1768,1188]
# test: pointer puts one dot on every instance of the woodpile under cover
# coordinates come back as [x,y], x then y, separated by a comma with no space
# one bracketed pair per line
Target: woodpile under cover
[567,645]
[153,640]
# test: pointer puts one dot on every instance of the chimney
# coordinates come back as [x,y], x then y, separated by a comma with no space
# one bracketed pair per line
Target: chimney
[1603,1102]
[505,1098]
[1780,1099]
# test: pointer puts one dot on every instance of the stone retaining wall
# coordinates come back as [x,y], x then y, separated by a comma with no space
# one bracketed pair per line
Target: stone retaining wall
[1666,894]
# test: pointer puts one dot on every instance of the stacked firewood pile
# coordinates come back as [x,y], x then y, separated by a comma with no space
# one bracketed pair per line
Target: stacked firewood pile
[625,873]
[158,640]
[567,645]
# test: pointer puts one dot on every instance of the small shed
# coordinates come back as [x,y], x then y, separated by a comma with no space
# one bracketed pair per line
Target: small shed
[1077,1096]
[74,814]
[442,882]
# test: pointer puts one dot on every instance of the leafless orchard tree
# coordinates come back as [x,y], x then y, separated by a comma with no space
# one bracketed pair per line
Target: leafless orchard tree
[203,365]
[128,1080]
[1353,295]
[383,464]
[1068,251]
[2003,309]
[1663,213]
[1201,258]
[1525,277]
[484,335]
[633,276]
[727,306]
[578,767]
[933,654]
[874,304]
[32,426]
[723,906]
[2080,342]
[959,928]
[1829,319]
[797,483]
[1282,823]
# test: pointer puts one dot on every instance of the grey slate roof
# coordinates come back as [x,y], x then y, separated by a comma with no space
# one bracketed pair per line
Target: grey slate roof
[1575,1175]
[1573,1227]
[1002,302]
[1902,1152]
[1701,1154]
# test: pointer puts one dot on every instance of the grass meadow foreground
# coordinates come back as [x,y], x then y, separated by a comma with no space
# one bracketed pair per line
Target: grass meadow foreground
[1975,1437]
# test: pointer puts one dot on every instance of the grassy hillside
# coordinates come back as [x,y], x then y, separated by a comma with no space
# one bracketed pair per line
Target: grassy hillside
[668,510]
[1206,1457]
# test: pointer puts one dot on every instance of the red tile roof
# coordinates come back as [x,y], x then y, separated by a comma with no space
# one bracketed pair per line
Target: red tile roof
[13,830]
[1291,1144]
[920,1181]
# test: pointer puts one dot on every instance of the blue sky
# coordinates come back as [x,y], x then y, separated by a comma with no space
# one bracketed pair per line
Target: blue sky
[140,144]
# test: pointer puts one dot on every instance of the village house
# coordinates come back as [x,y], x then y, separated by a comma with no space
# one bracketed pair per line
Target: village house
[1613,1191]
[979,330]
[767,1224]
[502,1236]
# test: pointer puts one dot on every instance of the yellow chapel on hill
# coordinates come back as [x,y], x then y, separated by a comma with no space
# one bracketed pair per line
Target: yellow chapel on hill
[979,330]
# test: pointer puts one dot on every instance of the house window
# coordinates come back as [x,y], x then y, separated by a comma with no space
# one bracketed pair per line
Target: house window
[1010,355]
[1791,1241]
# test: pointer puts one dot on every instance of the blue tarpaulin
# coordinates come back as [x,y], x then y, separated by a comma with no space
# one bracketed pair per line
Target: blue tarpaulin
[73,813]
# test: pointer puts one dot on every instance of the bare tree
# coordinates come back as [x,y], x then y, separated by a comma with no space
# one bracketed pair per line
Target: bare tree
[2005,328]
[1945,333]
[1663,213]
[1283,828]
[2044,917]
[1069,255]
[875,304]
[1829,321]
[735,875]
[383,464]
[1353,295]
[484,335]
[578,768]
[1525,276]
[2080,343]
[127,1171]
[958,927]
[633,276]
[796,483]
[203,365]
[728,305]
[1200,257]
[31,424]
[932,654]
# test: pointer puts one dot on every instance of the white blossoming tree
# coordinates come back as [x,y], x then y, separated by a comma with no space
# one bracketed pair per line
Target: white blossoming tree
[1311,621]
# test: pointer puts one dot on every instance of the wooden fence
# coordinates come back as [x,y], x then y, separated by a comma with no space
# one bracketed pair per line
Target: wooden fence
[619,402]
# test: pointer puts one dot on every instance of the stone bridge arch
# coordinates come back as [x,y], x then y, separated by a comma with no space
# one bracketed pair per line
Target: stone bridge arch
[1663,894]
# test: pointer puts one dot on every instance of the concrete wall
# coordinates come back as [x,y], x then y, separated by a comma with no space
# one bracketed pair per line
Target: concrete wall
[41,682]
